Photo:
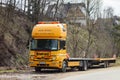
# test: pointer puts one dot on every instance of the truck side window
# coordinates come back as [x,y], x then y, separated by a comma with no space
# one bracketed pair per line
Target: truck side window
[62,44]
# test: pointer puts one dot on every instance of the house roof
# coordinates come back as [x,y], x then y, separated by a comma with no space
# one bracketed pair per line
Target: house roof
[69,8]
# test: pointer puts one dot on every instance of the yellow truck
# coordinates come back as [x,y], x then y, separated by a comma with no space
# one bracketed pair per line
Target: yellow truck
[48,49]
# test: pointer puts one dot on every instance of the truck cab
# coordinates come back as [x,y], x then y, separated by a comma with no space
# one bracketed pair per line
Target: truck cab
[47,48]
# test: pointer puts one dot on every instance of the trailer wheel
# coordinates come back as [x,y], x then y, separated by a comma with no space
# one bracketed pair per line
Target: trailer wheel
[105,64]
[37,69]
[84,67]
[64,66]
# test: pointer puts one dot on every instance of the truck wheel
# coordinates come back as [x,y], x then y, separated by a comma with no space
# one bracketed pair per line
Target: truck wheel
[84,67]
[64,66]
[37,69]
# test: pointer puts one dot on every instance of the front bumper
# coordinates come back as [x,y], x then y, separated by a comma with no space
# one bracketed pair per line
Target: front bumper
[46,64]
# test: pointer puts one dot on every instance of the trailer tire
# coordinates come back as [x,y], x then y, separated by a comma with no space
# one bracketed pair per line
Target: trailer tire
[37,69]
[105,64]
[84,67]
[64,66]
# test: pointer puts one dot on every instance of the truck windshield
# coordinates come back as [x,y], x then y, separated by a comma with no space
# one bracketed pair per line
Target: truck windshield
[44,44]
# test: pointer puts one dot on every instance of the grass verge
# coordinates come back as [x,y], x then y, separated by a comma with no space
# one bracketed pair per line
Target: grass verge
[117,62]
[7,71]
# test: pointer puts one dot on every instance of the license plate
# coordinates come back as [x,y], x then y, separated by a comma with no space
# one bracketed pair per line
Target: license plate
[42,62]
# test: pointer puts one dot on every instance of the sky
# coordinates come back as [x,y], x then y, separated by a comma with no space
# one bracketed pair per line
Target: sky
[115,4]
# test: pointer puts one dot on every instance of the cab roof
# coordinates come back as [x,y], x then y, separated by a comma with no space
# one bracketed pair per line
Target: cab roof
[49,31]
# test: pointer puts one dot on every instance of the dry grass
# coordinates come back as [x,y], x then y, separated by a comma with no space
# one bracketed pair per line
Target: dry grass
[7,71]
[117,62]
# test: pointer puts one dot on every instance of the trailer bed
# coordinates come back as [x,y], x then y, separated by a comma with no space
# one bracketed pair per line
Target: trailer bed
[91,59]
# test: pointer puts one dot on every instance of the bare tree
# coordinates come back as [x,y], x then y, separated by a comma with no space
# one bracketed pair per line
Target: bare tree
[108,12]
[36,9]
[75,40]
[1,3]
[91,7]
[57,4]
[102,31]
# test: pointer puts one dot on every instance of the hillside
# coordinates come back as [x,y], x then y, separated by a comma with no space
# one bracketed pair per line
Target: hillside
[14,35]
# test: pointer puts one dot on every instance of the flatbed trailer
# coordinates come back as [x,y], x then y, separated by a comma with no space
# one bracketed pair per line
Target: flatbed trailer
[48,50]
[85,63]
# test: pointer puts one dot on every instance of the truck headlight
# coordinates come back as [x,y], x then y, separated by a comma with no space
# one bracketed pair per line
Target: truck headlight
[32,53]
[31,57]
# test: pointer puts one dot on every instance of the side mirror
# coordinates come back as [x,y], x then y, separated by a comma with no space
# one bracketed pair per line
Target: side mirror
[28,44]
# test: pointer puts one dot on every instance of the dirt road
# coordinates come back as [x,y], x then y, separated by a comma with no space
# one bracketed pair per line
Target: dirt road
[48,74]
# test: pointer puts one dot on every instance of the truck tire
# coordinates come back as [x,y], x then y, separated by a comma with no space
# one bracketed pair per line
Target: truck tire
[37,69]
[64,66]
[84,67]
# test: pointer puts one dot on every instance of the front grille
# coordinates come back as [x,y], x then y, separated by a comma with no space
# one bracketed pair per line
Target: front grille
[43,59]
[45,54]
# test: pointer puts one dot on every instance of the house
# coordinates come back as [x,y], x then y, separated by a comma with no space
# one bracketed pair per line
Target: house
[70,12]
[116,20]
